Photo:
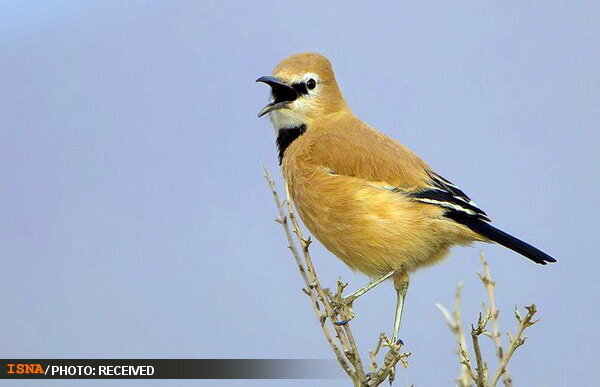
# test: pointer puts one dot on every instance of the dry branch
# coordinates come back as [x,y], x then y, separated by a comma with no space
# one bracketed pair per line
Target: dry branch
[454,321]
[517,340]
[480,376]
[495,335]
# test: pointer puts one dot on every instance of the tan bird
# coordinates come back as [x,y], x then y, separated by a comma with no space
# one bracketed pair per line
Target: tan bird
[367,198]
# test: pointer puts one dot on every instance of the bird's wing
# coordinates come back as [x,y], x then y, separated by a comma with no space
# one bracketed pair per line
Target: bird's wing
[360,151]
[444,193]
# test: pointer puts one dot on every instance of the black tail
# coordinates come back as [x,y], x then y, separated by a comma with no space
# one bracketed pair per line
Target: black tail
[485,229]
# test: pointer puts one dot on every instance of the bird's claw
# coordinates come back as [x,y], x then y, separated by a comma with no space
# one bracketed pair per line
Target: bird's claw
[343,322]
[342,306]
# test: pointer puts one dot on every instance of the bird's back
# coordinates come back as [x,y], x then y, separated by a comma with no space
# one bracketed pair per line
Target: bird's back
[345,144]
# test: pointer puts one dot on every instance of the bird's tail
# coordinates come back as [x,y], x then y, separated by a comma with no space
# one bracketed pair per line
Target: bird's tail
[490,232]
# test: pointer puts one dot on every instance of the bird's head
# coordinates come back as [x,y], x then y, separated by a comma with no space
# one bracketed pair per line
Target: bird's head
[303,86]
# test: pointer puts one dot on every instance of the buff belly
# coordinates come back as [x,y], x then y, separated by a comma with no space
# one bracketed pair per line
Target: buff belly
[373,230]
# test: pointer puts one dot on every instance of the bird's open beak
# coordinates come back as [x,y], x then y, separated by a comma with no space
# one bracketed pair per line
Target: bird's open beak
[283,94]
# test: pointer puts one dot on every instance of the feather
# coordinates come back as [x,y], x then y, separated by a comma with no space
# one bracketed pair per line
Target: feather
[492,233]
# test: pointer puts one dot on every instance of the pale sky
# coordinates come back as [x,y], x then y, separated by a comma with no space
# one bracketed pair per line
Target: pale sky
[135,222]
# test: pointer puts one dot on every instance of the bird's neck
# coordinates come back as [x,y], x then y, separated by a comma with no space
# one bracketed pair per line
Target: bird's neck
[286,136]
[286,118]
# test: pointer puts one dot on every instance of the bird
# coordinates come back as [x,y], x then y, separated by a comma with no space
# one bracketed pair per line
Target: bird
[366,197]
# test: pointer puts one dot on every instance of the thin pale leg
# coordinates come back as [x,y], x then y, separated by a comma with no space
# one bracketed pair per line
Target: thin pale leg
[401,285]
[350,298]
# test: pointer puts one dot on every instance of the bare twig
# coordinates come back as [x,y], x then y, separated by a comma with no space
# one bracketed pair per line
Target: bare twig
[373,354]
[516,341]
[455,323]
[495,334]
[391,359]
[480,376]
[482,371]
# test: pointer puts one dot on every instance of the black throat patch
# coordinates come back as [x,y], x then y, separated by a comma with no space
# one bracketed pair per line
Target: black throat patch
[286,136]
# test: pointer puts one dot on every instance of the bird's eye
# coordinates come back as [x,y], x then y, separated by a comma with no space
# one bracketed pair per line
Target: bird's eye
[311,84]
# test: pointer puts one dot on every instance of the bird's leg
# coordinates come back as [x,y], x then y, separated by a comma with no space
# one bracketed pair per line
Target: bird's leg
[345,304]
[401,285]
[352,297]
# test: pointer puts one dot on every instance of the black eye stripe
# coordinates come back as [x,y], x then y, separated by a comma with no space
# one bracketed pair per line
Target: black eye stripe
[300,88]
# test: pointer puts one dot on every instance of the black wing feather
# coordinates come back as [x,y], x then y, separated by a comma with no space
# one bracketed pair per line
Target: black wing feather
[449,186]
[444,193]
[461,209]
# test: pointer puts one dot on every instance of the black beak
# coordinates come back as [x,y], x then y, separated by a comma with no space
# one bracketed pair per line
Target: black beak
[283,94]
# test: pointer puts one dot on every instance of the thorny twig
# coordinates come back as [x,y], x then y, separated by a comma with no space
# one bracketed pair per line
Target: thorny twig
[373,353]
[482,371]
[391,358]
[466,369]
[480,378]
[517,340]
[495,335]
[454,321]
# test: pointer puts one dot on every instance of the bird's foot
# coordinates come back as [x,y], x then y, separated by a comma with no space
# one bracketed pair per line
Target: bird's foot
[342,307]
[395,345]
[343,322]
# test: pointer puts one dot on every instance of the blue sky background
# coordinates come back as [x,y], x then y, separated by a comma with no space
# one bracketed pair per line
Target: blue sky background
[134,220]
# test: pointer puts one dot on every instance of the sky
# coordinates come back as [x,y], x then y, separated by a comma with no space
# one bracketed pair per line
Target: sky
[135,221]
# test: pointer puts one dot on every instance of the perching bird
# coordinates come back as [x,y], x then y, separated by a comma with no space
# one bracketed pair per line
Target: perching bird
[367,198]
